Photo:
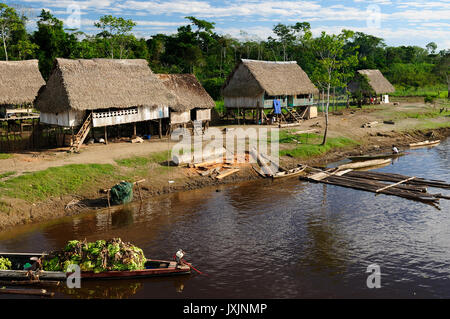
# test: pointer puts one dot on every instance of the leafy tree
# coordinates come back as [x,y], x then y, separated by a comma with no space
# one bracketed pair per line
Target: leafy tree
[117,34]
[332,64]
[9,22]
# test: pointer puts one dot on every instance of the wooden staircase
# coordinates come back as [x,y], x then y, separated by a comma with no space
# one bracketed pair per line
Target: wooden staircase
[294,115]
[81,135]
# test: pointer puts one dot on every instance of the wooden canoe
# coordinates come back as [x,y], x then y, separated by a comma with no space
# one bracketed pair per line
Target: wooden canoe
[290,173]
[153,268]
[370,163]
[376,156]
[424,143]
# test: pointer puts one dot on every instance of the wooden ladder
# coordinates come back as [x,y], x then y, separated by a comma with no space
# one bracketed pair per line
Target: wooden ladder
[82,134]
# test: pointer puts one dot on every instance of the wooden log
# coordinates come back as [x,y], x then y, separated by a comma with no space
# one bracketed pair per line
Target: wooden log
[44,283]
[393,185]
[228,173]
[31,292]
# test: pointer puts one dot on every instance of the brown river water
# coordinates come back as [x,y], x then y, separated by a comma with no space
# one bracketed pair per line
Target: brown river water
[281,239]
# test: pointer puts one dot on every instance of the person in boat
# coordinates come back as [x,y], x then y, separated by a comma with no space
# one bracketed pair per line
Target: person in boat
[395,149]
[179,257]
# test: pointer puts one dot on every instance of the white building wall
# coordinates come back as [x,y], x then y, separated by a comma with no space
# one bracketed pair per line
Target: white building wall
[243,102]
[66,119]
[203,114]
[180,117]
[138,114]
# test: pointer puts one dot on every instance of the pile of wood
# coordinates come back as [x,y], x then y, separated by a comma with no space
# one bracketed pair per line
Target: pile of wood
[413,188]
[215,170]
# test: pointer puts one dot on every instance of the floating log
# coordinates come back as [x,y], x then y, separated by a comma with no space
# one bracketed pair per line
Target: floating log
[290,173]
[392,185]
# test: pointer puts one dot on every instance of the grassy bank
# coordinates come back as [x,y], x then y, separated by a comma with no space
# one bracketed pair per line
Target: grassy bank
[436,91]
[309,145]
[5,156]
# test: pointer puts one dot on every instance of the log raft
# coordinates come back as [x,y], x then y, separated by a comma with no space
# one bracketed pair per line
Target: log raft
[413,188]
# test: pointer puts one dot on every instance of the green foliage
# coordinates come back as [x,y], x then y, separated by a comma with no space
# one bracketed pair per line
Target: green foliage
[5,263]
[98,256]
[5,156]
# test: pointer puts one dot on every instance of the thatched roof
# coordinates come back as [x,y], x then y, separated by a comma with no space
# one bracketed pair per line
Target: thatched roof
[189,92]
[252,77]
[376,81]
[20,81]
[101,84]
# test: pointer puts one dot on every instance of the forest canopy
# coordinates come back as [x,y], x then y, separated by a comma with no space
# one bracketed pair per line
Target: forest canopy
[197,48]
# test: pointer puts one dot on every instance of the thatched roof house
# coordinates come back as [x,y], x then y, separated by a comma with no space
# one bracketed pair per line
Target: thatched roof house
[252,77]
[189,93]
[192,100]
[20,82]
[102,86]
[370,81]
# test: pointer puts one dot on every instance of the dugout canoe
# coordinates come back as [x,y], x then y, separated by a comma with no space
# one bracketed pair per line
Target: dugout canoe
[425,143]
[153,268]
[376,156]
[289,173]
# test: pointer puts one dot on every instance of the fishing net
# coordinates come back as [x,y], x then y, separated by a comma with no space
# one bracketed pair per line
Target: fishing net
[122,193]
[96,256]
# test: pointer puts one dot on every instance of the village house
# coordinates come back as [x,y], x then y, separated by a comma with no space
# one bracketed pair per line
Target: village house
[81,94]
[20,82]
[193,104]
[270,91]
[370,86]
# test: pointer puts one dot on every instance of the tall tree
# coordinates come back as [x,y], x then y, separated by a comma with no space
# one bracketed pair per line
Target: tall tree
[117,34]
[9,21]
[333,66]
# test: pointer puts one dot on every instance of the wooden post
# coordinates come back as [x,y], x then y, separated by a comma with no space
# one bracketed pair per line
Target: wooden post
[134,129]
[160,128]
[106,135]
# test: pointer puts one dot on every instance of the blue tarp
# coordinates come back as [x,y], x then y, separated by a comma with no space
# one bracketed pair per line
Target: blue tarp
[277,106]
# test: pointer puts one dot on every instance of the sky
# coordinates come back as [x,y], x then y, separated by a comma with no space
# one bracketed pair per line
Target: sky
[398,22]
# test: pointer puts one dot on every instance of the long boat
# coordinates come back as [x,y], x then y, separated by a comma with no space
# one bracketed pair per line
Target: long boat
[425,143]
[376,156]
[153,268]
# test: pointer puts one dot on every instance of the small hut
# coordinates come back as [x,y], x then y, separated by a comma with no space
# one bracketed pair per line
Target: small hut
[20,82]
[102,93]
[193,103]
[370,85]
[258,85]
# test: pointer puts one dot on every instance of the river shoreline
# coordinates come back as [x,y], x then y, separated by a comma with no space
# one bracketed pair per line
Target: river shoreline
[28,213]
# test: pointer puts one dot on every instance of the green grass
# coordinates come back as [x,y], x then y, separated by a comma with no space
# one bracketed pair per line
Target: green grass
[5,156]
[55,181]
[220,107]
[439,91]
[429,125]
[141,161]
[3,175]
[4,207]
[418,115]
[310,144]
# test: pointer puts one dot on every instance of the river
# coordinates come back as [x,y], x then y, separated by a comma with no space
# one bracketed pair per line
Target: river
[281,239]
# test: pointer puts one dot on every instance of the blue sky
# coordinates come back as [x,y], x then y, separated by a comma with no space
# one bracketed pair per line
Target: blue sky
[399,22]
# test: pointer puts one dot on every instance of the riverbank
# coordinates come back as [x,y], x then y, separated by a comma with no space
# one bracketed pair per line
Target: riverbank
[38,186]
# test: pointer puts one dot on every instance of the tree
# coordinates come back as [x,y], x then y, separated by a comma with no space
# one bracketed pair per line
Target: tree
[117,33]
[9,21]
[443,69]
[431,47]
[333,66]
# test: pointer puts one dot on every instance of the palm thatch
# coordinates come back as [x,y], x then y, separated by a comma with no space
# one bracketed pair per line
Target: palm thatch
[375,79]
[20,82]
[252,77]
[101,84]
[189,92]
